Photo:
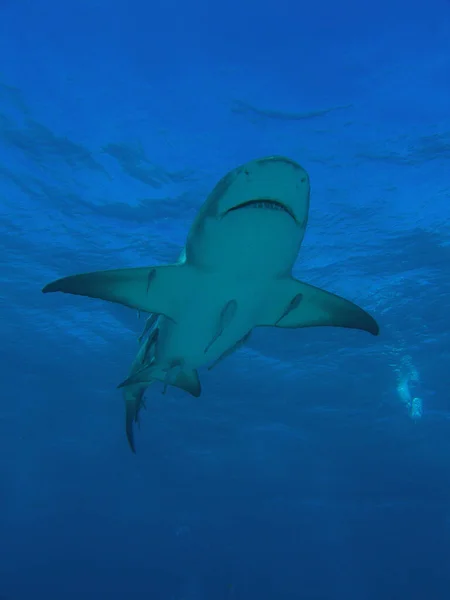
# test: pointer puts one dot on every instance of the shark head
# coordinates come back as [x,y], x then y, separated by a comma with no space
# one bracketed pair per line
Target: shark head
[257,211]
[268,184]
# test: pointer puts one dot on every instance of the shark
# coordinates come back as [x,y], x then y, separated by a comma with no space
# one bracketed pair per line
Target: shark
[235,273]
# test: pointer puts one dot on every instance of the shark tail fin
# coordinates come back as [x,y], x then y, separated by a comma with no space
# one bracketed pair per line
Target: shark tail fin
[150,289]
[293,304]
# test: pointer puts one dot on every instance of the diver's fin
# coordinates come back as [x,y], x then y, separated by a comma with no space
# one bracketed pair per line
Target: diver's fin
[188,381]
[292,303]
[150,289]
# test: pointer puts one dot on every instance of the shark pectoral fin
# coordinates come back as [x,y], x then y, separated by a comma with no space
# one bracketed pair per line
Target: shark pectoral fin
[150,289]
[189,382]
[293,304]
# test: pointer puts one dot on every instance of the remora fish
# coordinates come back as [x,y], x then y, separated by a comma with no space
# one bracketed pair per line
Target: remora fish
[234,274]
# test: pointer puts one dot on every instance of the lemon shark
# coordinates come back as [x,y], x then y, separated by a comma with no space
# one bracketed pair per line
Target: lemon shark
[234,274]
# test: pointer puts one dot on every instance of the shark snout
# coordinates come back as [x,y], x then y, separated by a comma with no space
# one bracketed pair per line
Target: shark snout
[274,183]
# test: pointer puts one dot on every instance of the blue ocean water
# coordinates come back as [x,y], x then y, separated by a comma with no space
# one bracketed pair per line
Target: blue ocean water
[315,465]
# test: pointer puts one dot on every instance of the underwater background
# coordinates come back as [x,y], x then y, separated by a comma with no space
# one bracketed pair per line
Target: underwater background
[316,463]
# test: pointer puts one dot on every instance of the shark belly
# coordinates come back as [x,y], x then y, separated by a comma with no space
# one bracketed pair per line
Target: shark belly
[198,337]
[249,245]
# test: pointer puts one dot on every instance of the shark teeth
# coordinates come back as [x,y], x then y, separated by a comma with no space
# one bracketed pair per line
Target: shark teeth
[264,203]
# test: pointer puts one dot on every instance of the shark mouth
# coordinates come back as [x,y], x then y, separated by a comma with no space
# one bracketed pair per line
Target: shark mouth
[266,204]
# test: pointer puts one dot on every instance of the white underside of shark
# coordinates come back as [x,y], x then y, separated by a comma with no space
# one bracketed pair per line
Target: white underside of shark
[234,274]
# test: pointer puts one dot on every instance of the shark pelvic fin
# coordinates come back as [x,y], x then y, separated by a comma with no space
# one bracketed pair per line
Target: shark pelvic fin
[292,303]
[150,289]
[172,373]
[185,379]
[189,381]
